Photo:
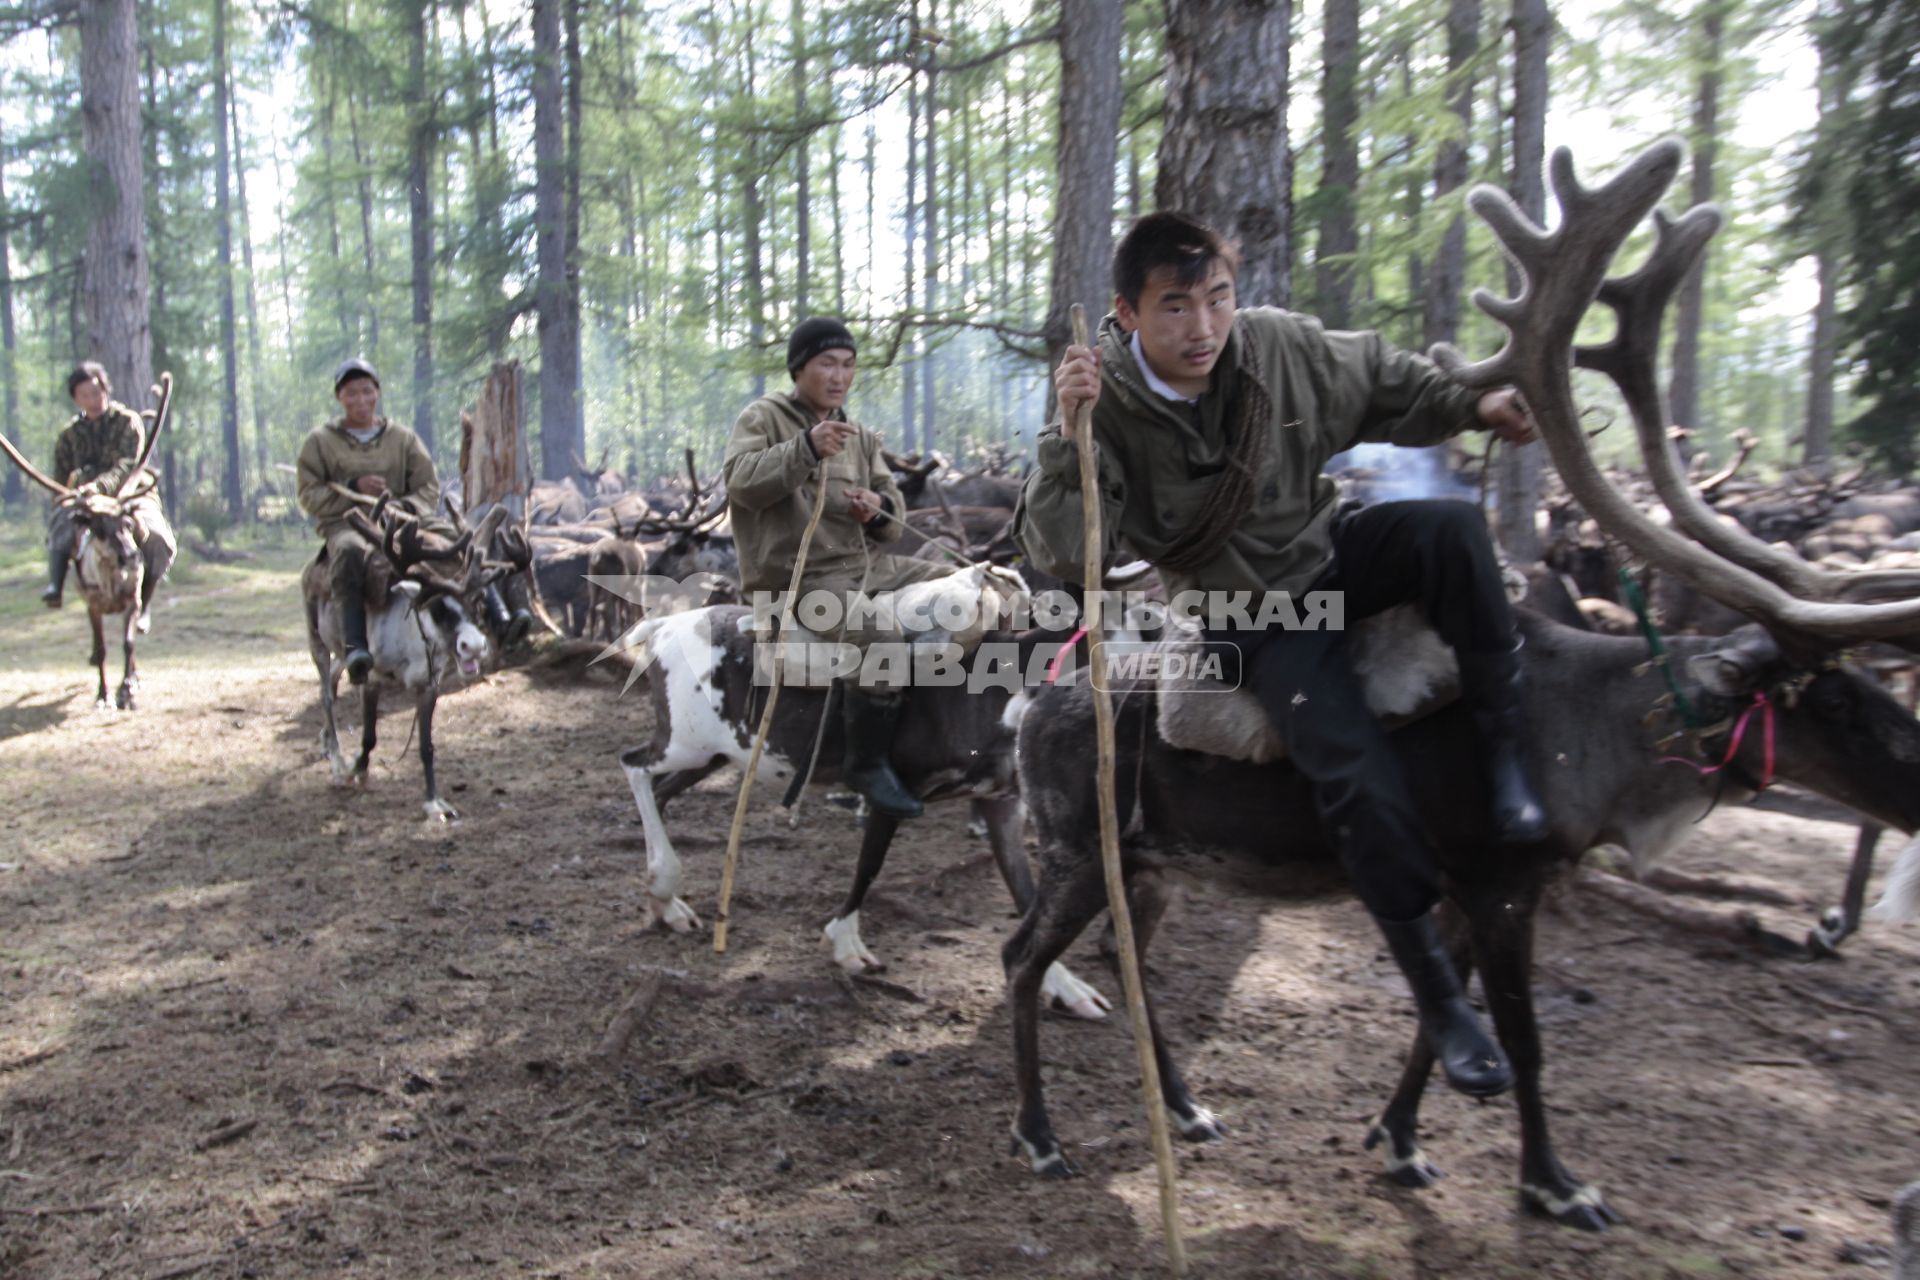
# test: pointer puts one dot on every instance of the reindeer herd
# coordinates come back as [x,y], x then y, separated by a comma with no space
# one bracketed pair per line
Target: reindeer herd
[1606,721]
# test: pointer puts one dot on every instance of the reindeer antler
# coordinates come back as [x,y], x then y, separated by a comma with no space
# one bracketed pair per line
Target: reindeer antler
[1562,273]
[34,473]
[163,392]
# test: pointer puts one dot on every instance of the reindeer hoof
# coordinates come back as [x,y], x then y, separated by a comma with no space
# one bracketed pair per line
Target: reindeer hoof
[1051,1164]
[1411,1170]
[1063,992]
[436,808]
[123,699]
[672,914]
[842,937]
[1201,1126]
[1583,1210]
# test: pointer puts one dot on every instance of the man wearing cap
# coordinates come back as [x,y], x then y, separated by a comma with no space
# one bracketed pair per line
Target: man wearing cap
[95,452]
[783,446]
[351,462]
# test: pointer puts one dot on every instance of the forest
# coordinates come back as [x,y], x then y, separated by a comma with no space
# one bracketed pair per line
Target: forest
[637,201]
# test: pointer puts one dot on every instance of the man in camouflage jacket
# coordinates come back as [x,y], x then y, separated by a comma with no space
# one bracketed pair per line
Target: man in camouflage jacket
[96,452]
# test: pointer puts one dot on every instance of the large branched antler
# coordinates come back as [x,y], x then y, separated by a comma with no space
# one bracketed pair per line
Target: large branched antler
[1562,273]
[163,392]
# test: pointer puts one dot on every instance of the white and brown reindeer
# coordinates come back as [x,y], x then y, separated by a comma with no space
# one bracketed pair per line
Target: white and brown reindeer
[951,744]
[422,631]
[117,560]
[1596,711]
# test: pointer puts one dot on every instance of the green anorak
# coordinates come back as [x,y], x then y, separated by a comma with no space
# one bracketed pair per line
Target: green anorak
[330,457]
[772,473]
[1160,457]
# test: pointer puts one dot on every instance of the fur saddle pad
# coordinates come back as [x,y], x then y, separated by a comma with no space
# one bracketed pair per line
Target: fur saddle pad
[975,599]
[1406,670]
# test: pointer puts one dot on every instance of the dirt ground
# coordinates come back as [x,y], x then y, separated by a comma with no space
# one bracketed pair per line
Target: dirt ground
[258,1026]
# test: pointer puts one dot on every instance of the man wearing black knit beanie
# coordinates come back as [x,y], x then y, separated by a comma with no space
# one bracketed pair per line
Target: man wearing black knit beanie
[783,446]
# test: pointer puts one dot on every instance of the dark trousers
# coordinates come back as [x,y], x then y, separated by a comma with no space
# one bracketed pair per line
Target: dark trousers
[1435,554]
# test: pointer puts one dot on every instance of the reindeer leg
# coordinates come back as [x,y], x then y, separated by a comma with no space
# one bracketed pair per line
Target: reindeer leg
[1502,925]
[1061,990]
[369,724]
[641,764]
[842,933]
[99,655]
[1148,896]
[1070,893]
[1838,923]
[129,674]
[436,807]
[1399,1125]
[329,692]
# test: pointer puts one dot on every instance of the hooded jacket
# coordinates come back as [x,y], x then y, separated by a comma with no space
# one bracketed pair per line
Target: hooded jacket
[1159,458]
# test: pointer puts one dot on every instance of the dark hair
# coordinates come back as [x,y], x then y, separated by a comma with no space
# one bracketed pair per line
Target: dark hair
[89,371]
[1186,244]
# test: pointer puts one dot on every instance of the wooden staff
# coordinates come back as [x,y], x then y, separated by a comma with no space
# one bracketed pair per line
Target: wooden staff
[1094,545]
[766,717]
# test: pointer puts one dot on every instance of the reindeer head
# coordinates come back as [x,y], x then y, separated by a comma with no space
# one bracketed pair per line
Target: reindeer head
[443,599]
[1809,611]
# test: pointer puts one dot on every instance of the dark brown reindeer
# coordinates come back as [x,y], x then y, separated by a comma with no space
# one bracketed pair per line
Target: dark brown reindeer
[1589,704]
[117,564]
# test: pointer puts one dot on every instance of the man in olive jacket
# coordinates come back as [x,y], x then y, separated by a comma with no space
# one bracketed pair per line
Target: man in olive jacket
[1214,426]
[783,447]
[351,462]
[96,451]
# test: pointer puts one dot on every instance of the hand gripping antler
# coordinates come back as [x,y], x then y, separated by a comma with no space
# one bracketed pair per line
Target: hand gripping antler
[1562,273]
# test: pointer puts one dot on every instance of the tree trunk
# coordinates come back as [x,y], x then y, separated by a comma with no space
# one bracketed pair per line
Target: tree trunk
[1339,238]
[802,177]
[575,116]
[13,489]
[908,383]
[1090,32]
[231,487]
[1520,466]
[115,272]
[1448,282]
[558,325]
[363,169]
[262,461]
[492,447]
[929,234]
[1223,151]
[1834,85]
[420,139]
[1683,389]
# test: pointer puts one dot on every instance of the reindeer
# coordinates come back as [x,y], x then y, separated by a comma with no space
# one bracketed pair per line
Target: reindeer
[118,564]
[1589,703]
[951,744]
[420,630]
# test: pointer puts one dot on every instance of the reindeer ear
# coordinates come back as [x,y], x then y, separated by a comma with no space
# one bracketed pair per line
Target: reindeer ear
[410,588]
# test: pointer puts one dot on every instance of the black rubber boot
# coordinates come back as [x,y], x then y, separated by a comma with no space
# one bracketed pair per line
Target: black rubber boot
[870,720]
[1491,684]
[56,579]
[1471,1058]
[353,633]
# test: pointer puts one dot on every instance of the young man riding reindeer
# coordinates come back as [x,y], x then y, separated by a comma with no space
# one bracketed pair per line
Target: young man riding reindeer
[784,445]
[95,453]
[1214,426]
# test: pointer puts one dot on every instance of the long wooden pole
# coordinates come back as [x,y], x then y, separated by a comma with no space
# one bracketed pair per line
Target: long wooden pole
[766,718]
[1130,979]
